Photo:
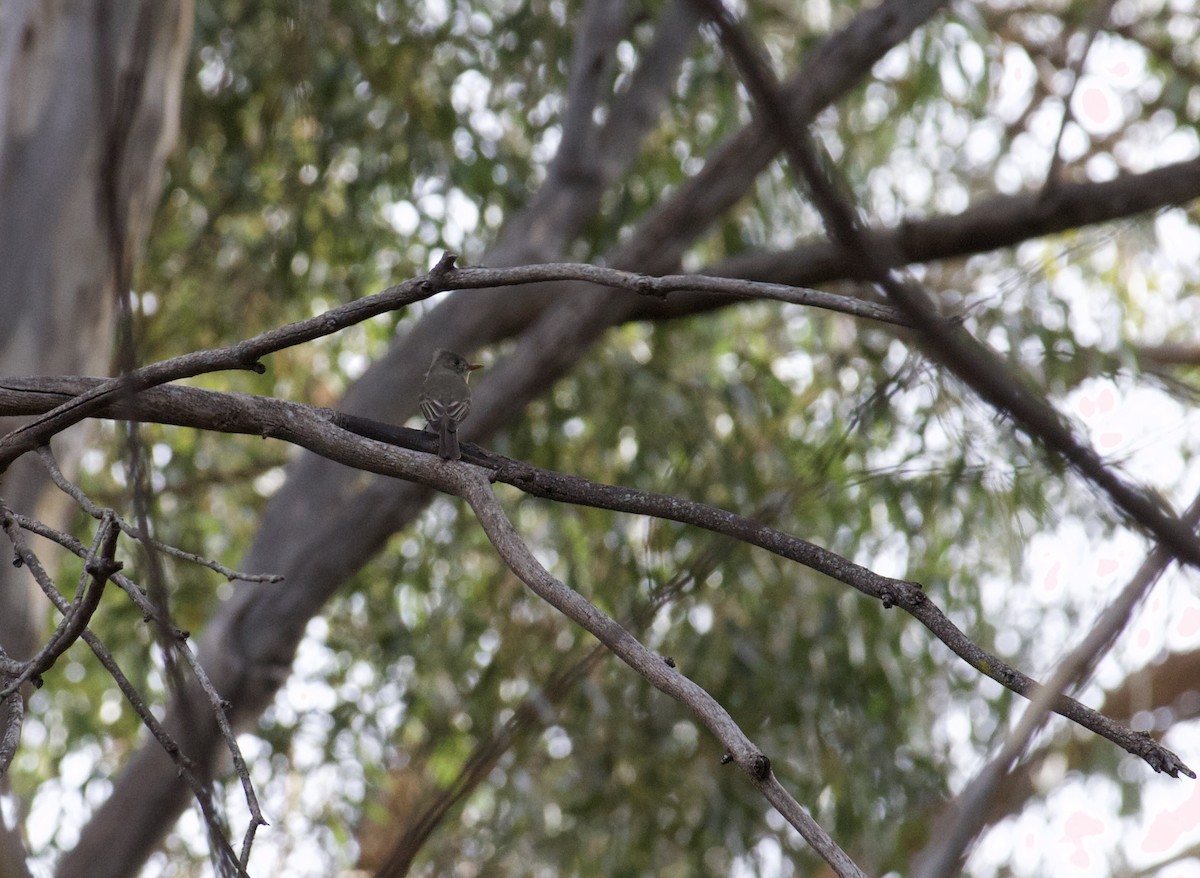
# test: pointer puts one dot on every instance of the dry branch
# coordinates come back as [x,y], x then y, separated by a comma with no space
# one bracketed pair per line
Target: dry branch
[474,487]
[327,433]
[943,340]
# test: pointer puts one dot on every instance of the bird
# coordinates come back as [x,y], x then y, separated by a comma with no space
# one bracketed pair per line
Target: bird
[446,399]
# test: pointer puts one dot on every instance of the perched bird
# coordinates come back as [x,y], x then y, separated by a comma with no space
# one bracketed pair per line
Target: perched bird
[446,399]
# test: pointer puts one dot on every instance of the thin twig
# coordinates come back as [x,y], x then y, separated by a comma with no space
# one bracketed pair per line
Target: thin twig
[68,542]
[13,525]
[150,613]
[96,511]
[662,286]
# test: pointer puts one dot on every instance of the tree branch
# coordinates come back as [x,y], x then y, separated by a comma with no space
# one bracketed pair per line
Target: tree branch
[729,289]
[247,354]
[943,340]
[592,157]
[252,638]
[12,525]
[602,24]
[324,432]
[990,223]
[99,565]
[475,489]
[970,811]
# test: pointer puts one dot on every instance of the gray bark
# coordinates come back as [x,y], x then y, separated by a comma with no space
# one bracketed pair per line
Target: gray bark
[80,173]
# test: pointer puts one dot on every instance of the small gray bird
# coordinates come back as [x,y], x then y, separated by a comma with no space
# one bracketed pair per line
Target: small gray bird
[446,399]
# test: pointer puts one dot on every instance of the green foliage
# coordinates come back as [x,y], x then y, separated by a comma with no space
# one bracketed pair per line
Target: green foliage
[329,150]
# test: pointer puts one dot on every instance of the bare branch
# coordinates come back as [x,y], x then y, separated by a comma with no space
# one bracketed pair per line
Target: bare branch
[13,525]
[943,340]
[943,859]
[508,543]
[91,508]
[100,564]
[323,432]
[178,641]
[247,354]
[728,288]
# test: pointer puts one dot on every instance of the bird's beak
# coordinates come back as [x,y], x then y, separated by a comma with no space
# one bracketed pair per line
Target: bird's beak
[471,367]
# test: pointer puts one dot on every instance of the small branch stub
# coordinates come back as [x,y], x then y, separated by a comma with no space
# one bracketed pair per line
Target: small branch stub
[444,266]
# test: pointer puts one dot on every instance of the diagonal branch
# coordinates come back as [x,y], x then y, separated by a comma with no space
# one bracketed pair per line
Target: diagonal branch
[184,766]
[943,340]
[970,811]
[593,156]
[100,564]
[649,88]
[475,489]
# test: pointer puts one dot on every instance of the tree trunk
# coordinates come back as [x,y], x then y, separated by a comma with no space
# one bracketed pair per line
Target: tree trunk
[89,106]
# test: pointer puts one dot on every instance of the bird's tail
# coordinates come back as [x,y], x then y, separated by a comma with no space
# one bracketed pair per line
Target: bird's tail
[448,441]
